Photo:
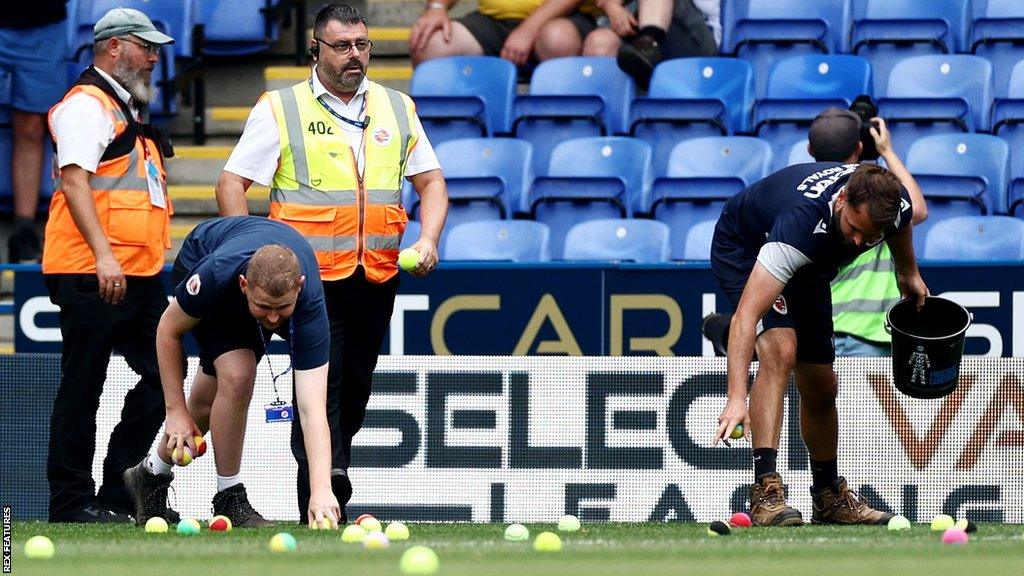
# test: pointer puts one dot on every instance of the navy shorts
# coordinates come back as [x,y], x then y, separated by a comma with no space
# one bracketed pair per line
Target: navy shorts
[32,61]
[805,304]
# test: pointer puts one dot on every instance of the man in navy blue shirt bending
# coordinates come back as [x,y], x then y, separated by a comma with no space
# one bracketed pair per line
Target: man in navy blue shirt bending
[237,282]
[776,248]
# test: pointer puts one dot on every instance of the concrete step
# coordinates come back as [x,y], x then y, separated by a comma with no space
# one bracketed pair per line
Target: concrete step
[198,165]
[201,200]
[391,73]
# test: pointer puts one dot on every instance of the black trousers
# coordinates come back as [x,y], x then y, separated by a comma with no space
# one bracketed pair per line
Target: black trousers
[359,312]
[91,330]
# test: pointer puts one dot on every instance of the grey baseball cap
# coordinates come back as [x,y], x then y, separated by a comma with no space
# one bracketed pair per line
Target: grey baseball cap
[834,135]
[125,21]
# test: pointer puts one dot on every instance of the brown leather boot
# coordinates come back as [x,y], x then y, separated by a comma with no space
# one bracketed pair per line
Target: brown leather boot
[768,503]
[845,507]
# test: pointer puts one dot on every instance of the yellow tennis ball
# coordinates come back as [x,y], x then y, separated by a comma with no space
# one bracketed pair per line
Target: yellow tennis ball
[353,534]
[942,522]
[182,456]
[283,542]
[370,524]
[408,259]
[737,432]
[156,525]
[39,548]
[397,531]
[547,542]
[419,561]
[376,540]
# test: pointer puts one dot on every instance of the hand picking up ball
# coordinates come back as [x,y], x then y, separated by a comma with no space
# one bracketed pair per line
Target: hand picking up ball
[408,259]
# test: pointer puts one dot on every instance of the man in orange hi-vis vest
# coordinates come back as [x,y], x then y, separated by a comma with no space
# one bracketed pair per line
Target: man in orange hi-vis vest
[335,149]
[104,250]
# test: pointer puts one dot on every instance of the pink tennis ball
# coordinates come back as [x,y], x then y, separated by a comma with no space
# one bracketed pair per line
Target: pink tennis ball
[740,520]
[955,536]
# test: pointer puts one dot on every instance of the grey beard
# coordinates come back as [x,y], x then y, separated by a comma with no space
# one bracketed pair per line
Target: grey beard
[339,82]
[135,81]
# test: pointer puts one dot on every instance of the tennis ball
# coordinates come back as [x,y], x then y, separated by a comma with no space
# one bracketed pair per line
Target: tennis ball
[353,534]
[737,432]
[182,456]
[408,259]
[955,536]
[718,528]
[517,533]
[740,520]
[942,522]
[966,525]
[376,540]
[419,561]
[326,523]
[282,542]
[370,524]
[188,527]
[547,542]
[156,525]
[397,531]
[200,446]
[39,548]
[568,523]
[220,524]
[899,522]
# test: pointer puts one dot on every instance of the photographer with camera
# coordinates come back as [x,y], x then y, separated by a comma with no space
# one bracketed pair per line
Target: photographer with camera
[865,287]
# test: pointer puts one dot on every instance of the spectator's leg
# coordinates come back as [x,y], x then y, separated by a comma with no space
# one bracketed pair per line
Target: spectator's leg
[556,39]
[601,42]
[657,13]
[462,43]
[27,169]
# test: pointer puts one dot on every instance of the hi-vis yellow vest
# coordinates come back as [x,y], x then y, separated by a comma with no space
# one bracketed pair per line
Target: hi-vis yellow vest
[348,218]
[863,292]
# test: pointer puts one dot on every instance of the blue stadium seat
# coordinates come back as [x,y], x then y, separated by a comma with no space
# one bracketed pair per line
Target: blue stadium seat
[572,98]
[412,234]
[886,31]
[702,174]
[960,175]
[801,87]
[997,34]
[691,98]
[697,245]
[238,27]
[766,31]
[486,177]
[618,239]
[976,238]
[798,154]
[464,96]
[507,240]
[929,95]
[588,179]
[1008,124]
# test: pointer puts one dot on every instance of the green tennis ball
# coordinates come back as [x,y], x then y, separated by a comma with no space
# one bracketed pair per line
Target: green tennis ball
[568,523]
[898,522]
[718,528]
[547,542]
[737,432]
[517,533]
[408,259]
[188,527]
[39,548]
[942,522]
[397,531]
[283,542]
[419,561]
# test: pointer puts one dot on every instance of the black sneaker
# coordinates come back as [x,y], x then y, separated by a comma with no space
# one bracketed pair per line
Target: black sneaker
[23,247]
[233,502]
[715,328]
[638,59]
[95,514]
[149,493]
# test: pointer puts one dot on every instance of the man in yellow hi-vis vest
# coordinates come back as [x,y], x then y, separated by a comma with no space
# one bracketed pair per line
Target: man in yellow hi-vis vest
[334,149]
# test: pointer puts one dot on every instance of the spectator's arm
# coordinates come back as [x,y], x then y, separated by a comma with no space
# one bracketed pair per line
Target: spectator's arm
[434,17]
[519,44]
[883,142]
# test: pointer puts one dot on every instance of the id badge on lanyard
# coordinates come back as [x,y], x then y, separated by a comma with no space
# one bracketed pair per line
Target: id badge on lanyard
[278,410]
[154,181]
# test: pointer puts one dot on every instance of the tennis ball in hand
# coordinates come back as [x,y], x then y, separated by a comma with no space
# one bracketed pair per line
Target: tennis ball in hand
[220,524]
[737,432]
[188,527]
[200,446]
[397,531]
[182,456]
[282,542]
[39,548]
[547,542]
[568,523]
[942,522]
[899,522]
[419,561]
[408,259]
[517,533]
[156,525]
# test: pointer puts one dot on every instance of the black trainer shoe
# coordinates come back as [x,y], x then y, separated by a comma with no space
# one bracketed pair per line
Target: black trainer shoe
[149,493]
[715,328]
[638,59]
[95,514]
[23,247]
[233,502]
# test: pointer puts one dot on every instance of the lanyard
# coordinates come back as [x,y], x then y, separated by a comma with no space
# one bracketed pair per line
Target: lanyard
[361,124]
[266,355]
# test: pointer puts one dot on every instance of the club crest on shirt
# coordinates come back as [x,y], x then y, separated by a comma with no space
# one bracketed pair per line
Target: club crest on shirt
[780,305]
[382,136]
[193,284]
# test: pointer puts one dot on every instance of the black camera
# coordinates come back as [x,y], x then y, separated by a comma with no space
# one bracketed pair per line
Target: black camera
[866,109]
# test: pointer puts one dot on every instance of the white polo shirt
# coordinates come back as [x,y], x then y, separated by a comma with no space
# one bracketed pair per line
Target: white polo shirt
[258,152]
[83,129]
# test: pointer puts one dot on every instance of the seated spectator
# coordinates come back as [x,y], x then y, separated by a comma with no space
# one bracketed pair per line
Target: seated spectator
[517,30]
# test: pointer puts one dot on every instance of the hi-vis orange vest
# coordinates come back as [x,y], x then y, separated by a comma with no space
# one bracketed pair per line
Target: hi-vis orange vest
[348,218]
[138,231]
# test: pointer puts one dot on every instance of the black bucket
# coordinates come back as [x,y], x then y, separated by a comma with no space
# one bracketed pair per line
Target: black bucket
[927,346]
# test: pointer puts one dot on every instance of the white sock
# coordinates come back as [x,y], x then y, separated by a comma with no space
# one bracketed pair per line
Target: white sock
[225,482]
[157,466]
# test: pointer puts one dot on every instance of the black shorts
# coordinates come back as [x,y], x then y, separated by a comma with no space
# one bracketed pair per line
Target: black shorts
[805,304]
[491,33]
[231,329]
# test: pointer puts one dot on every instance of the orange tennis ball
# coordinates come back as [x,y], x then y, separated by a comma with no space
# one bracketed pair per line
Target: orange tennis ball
[220,524]
[200,446]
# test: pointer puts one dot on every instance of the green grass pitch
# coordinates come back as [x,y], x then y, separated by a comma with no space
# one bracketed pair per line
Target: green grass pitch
[480,550]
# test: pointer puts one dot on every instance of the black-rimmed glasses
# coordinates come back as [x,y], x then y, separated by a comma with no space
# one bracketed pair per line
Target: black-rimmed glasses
[343,47]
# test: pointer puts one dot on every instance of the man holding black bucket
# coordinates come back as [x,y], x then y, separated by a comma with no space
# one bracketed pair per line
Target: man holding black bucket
[776,247]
